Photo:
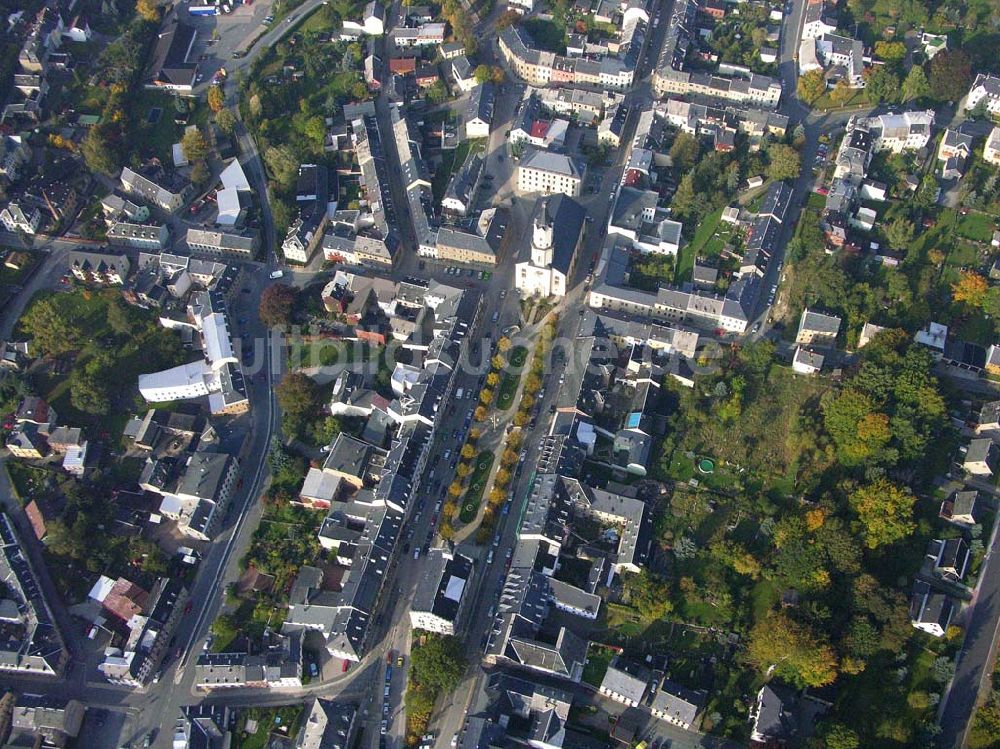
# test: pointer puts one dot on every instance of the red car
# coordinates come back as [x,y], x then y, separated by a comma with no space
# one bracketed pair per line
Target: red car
[187,609]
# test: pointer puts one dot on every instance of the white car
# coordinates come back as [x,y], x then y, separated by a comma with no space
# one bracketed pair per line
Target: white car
[277,274]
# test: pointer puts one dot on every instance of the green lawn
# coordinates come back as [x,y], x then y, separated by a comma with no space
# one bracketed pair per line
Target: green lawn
[510,379]
[694,248]
[976,226]
[450,162]
[598,659]
[477,485]
[268,720]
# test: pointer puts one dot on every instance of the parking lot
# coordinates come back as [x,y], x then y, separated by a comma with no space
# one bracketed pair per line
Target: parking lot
[222,35]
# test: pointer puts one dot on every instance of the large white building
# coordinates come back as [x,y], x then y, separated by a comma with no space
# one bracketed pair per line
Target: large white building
[545,266]
[547,172]
[218,375]
[442,594]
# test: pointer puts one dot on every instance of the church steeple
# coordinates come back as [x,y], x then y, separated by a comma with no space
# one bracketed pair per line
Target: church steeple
[542,237]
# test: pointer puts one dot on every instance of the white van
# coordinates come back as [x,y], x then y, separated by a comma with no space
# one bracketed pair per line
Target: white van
[459,393]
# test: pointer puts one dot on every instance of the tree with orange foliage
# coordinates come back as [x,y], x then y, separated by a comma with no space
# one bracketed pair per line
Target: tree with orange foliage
[970,289]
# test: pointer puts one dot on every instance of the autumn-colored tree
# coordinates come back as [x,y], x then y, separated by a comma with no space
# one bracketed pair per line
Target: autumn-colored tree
[463,470]
[448,510]
[502,477]
[532,383]
[480,414]
[216,99]
[521,418]
[492,379]
[497,496]
[508,458]
[515,440]
[811,86]
[486,396]
[815,519]
[468,451]
[194,146]
[935,256]
[971,289]
[793,650]
[446,531]
[885,512]
[276,304]
[841,93]
[226,120]
[527,401]
[504,344]
[498,362]
[474,434]
[148,10]
[508,18]
[455,488]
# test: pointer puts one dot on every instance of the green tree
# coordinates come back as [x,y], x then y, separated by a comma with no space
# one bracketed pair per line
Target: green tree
[890,51]
[482,73]
[811,86]
[839,736]
[784,162]
[194,146]
[226,121]
[684,201]
[89,391]
[439,663]
[915,86]
[882,85]
[282,165]
[794,651]
[298,397]
[949,74]
[684,151]
[437,93]
[841,93]
[858,430]
[899,233]
[885,512]
[54,331]
[277,303]
[100,148]
[648,594]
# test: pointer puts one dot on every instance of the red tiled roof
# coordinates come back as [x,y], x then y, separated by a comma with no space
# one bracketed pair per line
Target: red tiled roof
[35,518]
[539,128]
[125,600]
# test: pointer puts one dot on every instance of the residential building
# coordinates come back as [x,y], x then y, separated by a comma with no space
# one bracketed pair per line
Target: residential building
[152,184]
[949,558]
[462,73]
[202,727]
[140,236]
[842,57]
[817,329]
[328,725]
[981,457]
[461,191]
[202,493]
[930,612]
[34,644]
[47,721]
[443,592]
[676,704]
[455,245]
[222,242]
[545,266]
[426,34]
[638,217]
[18,217]
[98,268]
[372,21]
[479,111]
[547,172]
[807,362]
[954,152]
[773,721]
[903,131]
[991,152]
[962,508]
[985,89]
[625,682]
[15,154]
[452,50]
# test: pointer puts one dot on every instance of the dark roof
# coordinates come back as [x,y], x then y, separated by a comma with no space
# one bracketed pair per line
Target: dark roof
[169,61]
[567,217]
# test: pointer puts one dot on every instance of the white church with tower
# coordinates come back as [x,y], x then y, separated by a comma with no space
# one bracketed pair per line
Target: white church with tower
[546,267]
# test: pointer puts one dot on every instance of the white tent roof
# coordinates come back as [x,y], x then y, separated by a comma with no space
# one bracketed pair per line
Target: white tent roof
[233,177]
[229,206]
